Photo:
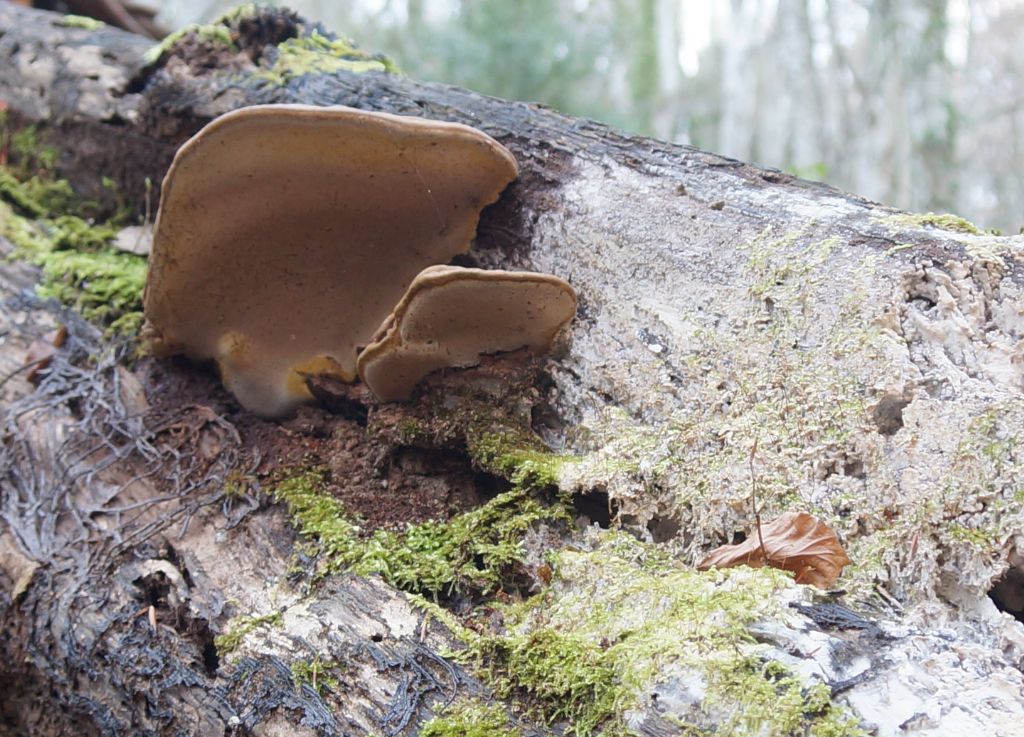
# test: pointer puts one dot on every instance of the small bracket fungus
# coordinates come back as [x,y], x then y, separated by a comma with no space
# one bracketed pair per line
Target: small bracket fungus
[286,233]
[451,316]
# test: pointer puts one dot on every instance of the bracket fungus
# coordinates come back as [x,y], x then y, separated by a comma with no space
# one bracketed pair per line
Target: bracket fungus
[287,233]
[450,316]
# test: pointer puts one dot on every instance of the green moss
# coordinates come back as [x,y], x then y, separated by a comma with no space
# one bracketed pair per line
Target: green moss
[433,610]
[79,268]
[469,718]
[784,376]
[324,54]
[320,675]
[236,485]
[221,31]
[953,223]
[105,286]
[567,675]
[241,627]
[80,21]
[517,456]
[35,196]
[26,180]
[769,694]
[980,538]
[213,33]
[988,466]
[28,154]
[470,552]
[312,51]
[412,432]
[898,247]
[622,617]
[782,268]
[239,13]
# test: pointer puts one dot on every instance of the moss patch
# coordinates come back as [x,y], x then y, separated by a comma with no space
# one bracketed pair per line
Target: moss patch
[471,552]
[240,628]
[308,50]
[621,617]
[80,21]
[777,375]
[520,458]
[322,53]
[49,225]
[221,31]
[36,197]
[945,221]
[320,675]
[79,267]
[469,718]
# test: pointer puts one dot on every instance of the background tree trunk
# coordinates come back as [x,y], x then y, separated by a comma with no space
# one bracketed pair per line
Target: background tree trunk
[722,306]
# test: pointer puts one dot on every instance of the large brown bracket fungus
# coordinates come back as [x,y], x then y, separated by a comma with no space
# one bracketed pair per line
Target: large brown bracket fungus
[451,316]
[287,233]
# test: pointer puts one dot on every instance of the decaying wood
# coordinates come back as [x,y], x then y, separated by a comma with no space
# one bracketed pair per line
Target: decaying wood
[112,606]
[716,297]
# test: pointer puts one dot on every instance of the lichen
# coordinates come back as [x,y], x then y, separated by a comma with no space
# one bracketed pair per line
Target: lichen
[980,538]
[781,393]
[777,399]
[240,628]
[322,53]
[962,522]
[470,552]
[469,718]
[621,618]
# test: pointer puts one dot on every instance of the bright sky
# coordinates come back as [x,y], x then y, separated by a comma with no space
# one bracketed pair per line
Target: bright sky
[696,33]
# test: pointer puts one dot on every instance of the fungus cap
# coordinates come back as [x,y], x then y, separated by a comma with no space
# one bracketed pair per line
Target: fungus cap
[286,233]
[450,316]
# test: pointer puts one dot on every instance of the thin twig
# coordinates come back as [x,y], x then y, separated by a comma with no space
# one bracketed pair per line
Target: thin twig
[753,501]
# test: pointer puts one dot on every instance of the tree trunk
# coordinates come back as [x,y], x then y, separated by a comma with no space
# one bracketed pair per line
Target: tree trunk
[737,326]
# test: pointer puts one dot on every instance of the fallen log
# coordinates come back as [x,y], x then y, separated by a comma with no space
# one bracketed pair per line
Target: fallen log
[738,327]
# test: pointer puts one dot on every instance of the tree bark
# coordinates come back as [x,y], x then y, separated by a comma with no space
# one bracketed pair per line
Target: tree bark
[722,306]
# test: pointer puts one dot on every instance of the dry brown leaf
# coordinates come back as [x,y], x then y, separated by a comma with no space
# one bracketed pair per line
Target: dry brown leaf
[796,541]
[42,350]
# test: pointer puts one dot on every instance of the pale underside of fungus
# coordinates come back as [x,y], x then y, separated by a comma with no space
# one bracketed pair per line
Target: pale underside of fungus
[450,316]
[287,233]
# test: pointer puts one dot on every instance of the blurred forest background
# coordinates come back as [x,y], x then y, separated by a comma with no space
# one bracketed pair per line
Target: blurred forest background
[915,103]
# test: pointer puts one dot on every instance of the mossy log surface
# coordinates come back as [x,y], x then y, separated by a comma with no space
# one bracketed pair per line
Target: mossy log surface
[872,359]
